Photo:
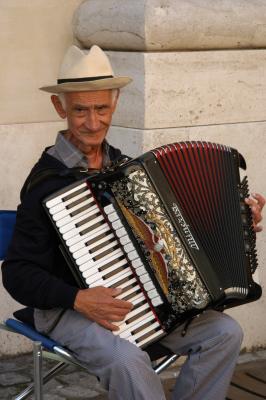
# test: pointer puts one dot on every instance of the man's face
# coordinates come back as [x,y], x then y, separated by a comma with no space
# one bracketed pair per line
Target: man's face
[89,115]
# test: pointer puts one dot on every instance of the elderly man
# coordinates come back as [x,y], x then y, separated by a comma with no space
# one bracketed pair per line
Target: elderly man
[36,274]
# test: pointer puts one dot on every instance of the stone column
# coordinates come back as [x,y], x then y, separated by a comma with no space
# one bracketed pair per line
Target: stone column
[199,74]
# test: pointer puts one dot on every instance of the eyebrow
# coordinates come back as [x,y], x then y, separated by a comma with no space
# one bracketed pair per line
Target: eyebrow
[85,107]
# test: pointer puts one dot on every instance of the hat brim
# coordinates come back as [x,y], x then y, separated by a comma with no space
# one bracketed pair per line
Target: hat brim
[101,84]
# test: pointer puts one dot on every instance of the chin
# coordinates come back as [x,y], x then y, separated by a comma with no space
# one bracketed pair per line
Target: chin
[96,142]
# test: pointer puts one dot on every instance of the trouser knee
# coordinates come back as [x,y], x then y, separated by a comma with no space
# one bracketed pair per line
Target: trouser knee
[231,330]
[130,357]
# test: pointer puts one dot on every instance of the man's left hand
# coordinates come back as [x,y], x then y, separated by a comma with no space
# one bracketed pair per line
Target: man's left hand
[256,202]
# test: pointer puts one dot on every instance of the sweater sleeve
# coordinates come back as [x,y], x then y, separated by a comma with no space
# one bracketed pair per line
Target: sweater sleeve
[34,272]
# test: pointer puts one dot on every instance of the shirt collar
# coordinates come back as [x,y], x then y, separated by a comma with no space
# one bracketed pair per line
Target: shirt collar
[64,151]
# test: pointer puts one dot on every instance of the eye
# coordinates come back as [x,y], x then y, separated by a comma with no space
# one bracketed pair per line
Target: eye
[79,111]
[102,109]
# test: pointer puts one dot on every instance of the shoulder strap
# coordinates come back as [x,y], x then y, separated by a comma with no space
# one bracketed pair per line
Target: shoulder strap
[39,176]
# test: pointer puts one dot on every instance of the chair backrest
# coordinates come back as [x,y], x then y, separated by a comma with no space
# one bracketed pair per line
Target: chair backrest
[7,223]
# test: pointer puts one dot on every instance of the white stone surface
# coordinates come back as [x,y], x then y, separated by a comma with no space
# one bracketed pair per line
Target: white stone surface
[151,25]
[21,146]
[34,36]
[191,88]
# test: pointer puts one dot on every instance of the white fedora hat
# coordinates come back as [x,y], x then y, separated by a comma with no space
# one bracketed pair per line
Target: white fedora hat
[85,71]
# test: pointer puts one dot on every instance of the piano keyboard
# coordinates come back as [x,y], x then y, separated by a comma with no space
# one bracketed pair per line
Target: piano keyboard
[101,249]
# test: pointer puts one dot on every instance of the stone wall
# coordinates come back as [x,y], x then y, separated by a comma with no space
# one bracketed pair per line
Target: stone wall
[199,73]
[34,36]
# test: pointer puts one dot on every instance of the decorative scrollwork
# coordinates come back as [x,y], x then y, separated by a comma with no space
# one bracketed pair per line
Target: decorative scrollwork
[150,224]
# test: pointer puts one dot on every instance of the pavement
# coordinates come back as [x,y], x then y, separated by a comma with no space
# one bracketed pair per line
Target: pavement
[248,383]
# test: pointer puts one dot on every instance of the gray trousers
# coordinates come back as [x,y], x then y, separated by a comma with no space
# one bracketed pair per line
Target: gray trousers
[212,344]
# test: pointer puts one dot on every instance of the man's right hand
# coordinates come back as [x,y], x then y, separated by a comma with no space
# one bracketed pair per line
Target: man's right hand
[100,305]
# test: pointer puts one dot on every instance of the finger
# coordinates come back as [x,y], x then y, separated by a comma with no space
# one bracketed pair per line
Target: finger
[251,201]
[120,312]
[123,304]
[260,199]
[108,325]
[258,228]
[255,209]
[116,317]
[257,217]
[113,291]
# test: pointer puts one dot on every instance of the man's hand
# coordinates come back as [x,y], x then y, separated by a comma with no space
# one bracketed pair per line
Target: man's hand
[256,202]
[100,305]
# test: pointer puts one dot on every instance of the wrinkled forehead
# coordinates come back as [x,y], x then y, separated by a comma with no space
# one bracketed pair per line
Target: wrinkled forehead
[89,97]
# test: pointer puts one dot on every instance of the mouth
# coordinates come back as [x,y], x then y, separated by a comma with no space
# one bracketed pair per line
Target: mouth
[89,133]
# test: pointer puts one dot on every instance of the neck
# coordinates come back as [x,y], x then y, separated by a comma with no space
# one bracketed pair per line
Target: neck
[94,154]
[95,157]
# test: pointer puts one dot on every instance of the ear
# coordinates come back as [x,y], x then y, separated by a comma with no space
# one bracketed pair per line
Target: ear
[58,106]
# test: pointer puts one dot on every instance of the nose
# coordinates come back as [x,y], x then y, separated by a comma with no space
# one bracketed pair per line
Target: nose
[92,121]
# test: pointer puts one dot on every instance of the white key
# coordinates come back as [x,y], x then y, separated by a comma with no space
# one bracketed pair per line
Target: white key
[109,209]
[144,278]
[138,298]
[95,270]
[132,255]
[126,329]
[146,330]
[156,301]
[152,293]
[134,312]
[59,198]
[65,214]
[61,206]
[102,261]
[121,232]
[97,277]
[127,283]
[86,248]
[129,247]
[149,286]
[64,221]
[126,293]
[80,241]
[117,224]
[118,277]
[124,239]
[111,281]
[94,254]
[113,216]
[137,263]
[136,302]
[140,271]
[79,218]
[148,339]
[76,231]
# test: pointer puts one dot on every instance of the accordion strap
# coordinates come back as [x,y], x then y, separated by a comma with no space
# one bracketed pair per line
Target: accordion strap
[46,173]
[76,173]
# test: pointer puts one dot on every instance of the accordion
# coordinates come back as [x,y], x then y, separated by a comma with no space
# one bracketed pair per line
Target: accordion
[170,228]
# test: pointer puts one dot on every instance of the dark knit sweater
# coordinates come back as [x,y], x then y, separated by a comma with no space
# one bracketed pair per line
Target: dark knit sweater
[35,272]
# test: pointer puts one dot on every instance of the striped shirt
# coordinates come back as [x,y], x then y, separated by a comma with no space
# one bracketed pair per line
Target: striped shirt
[64,151]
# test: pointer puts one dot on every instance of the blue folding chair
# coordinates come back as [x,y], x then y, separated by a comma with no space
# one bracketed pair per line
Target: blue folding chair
[44,347]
